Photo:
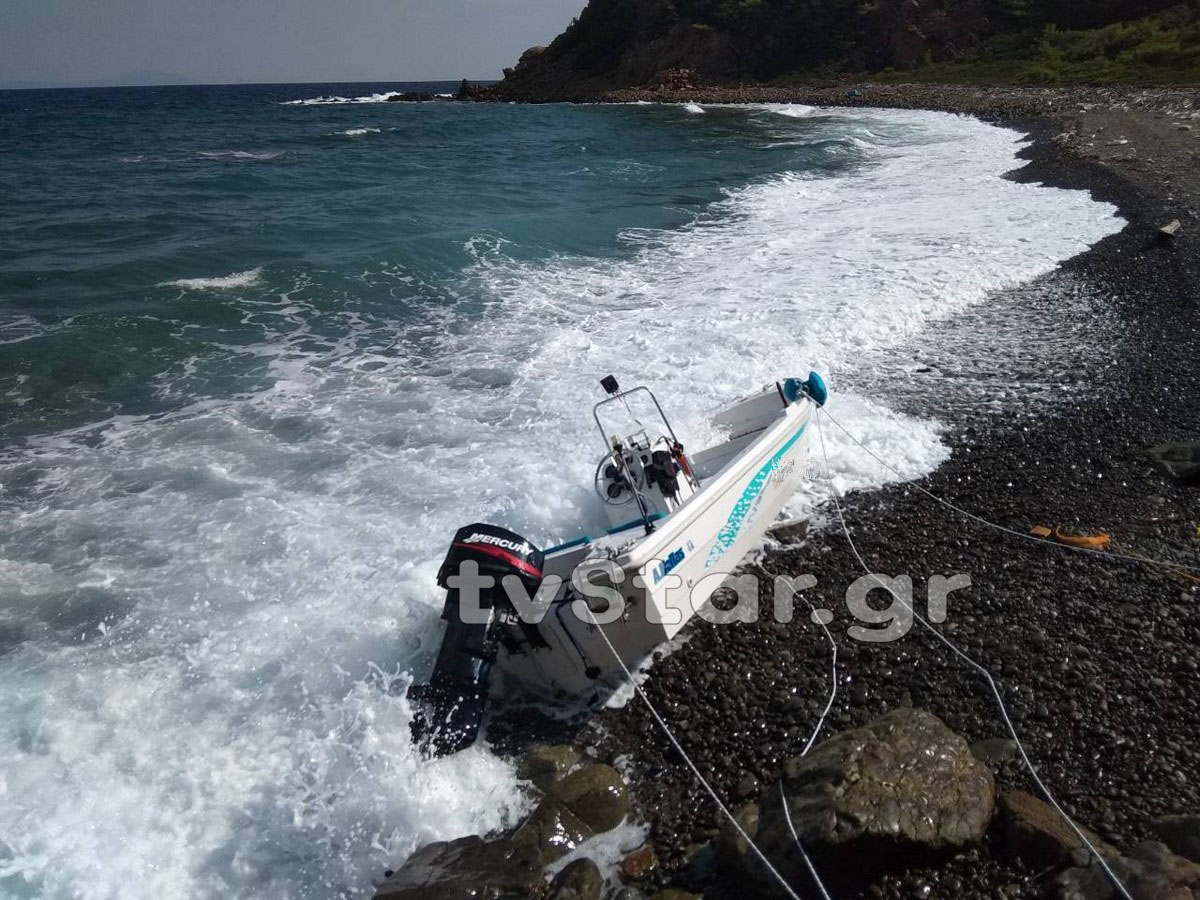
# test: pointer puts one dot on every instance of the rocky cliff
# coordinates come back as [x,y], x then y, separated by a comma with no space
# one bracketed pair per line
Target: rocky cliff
[616,44]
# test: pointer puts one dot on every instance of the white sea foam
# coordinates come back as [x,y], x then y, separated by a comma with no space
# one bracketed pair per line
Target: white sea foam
[606,849]
[226,717]
[793,110]
[359,132]
[249,278]
[694,108]
[323,101]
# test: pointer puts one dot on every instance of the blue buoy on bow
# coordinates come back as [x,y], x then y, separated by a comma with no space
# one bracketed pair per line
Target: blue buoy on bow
[813,387]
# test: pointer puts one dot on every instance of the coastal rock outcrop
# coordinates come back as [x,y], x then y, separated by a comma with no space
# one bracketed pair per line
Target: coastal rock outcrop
[412,97]
[581,800]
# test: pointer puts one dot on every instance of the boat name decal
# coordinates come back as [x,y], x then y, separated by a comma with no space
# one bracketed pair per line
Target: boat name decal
[668,565]
[748,501]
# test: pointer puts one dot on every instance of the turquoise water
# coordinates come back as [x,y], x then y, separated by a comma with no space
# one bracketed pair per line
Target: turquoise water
[259,359]
[112,196]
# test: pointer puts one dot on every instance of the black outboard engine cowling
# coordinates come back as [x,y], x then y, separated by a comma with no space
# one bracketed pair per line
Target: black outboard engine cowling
[450,707]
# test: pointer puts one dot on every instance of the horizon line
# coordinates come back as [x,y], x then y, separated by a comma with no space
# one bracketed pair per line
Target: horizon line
[98,86]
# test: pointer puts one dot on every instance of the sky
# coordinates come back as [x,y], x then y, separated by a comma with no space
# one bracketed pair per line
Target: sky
[69,42]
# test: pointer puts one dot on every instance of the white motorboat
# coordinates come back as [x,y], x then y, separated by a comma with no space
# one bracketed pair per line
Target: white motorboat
[556,621]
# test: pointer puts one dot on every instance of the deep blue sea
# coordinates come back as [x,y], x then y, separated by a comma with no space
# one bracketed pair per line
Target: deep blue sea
[263,348]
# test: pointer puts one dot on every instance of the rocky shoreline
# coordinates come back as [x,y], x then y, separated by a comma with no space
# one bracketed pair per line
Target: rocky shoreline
[1097,658]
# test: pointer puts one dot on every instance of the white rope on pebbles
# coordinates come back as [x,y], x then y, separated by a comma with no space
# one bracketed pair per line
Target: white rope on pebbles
[783,883]
[1012,532]
[1045,791]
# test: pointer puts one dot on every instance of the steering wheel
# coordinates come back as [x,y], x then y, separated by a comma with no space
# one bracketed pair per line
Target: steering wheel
[612,485]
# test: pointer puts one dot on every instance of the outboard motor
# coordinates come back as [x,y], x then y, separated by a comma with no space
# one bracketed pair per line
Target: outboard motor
[450,707]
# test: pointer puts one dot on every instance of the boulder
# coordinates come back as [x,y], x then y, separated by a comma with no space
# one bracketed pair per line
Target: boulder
[590,800]
[545,765]
[579,880]
[465,869]
[596,794]
[904,778]
[1181,834]
[902,787]
[549,834]
[1037,835]
[1150,872]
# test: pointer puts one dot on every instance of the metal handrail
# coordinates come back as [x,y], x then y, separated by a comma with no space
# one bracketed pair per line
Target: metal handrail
[621,396]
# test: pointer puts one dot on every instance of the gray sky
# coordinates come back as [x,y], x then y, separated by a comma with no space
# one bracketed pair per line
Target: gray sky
[143,41]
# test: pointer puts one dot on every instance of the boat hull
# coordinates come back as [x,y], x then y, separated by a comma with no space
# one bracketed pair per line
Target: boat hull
[618,605]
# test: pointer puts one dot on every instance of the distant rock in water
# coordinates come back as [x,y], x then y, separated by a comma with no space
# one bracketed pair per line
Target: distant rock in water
[411,97]
[469,91]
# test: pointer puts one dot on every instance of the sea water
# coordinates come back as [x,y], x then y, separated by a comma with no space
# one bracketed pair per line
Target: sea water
[263,349]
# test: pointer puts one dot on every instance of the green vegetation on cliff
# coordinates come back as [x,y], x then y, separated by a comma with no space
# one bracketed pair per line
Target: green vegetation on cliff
[624,42]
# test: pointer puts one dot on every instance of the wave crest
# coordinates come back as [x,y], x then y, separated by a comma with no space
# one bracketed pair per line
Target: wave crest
[225,283]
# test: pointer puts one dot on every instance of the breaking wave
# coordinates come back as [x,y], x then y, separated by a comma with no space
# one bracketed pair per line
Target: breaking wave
[325,101]
[248,278]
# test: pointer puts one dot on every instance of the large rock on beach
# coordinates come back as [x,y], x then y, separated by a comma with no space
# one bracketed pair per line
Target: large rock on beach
[1038,836]
[590,800]
[903,785]
[904,778]
[596,794]
[546,764]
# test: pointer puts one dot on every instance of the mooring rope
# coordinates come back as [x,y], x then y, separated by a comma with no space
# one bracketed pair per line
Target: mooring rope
[696,772]
[1105,554]
[812,739]
[974,665]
